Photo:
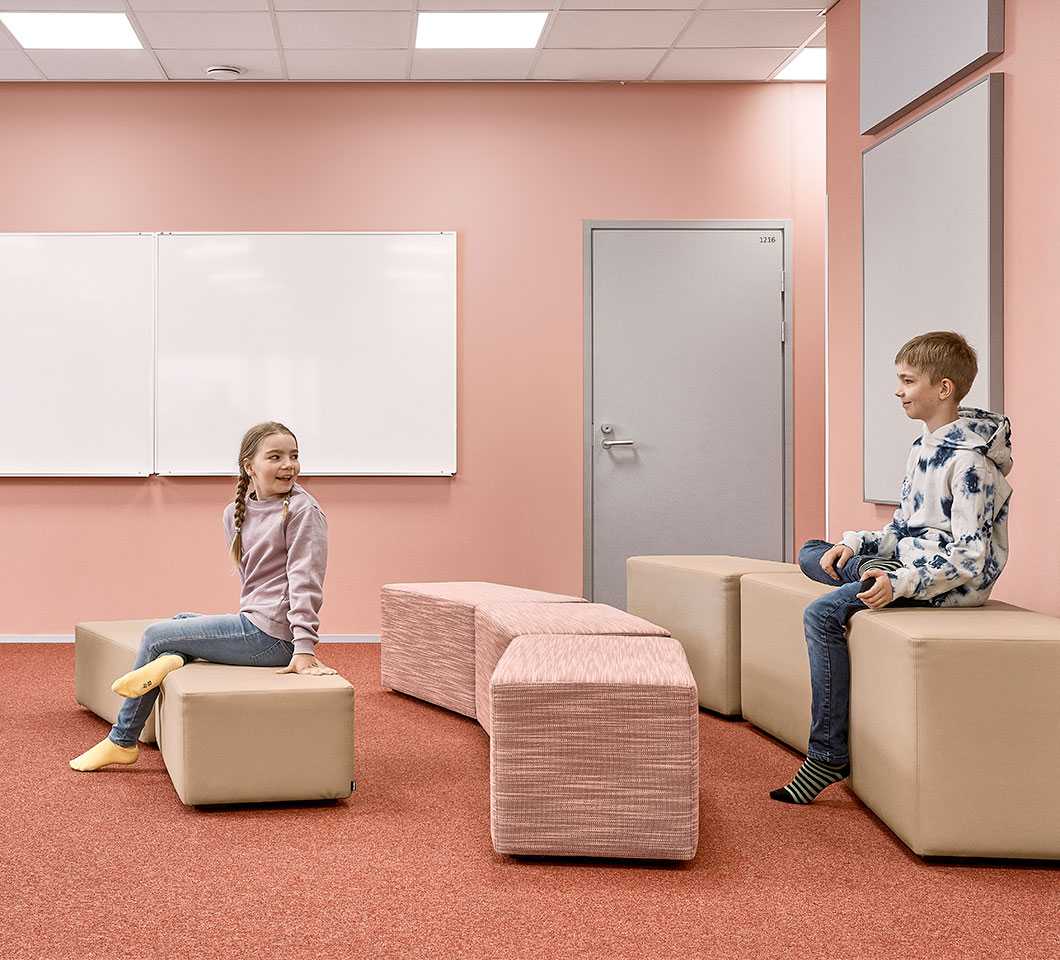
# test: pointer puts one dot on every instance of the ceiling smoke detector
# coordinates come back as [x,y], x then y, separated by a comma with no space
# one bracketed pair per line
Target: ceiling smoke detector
[223,73]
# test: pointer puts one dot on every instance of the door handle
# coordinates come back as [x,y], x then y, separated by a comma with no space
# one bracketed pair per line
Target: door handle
[608,444]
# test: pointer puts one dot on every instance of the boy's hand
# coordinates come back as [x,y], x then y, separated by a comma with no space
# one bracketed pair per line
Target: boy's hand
[880,593]
[839,554]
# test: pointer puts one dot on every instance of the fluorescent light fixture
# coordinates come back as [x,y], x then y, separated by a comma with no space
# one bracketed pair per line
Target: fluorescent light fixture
[807,65]
[480,31]
[72,31]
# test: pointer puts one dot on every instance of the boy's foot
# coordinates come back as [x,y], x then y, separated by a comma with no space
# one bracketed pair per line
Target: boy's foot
[812,778]
[149,676]
[103,753]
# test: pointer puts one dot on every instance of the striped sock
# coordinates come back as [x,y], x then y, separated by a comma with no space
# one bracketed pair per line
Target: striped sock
[812,778]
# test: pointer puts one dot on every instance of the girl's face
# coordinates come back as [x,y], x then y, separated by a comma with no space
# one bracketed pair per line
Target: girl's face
[274,467]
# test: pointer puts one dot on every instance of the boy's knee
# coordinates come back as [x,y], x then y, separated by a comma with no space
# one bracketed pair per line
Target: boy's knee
[810,555]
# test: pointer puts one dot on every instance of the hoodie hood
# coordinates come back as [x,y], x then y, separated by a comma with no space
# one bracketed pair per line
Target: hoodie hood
[987,433]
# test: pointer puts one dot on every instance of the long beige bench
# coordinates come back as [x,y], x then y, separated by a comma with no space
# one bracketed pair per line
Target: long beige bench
[229,734]
[954,714]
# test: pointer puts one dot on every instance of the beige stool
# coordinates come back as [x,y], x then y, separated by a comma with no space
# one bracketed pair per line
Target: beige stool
[595,748]
[250,735]
[774,664]
[427,642]
[955,728]
[697,599]
[103,651]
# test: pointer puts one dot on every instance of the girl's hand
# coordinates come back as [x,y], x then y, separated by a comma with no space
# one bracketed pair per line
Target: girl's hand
[880,593]
[308,664]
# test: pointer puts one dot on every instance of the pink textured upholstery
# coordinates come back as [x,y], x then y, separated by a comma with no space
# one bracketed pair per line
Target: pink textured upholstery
[496,625]
[595,748]
[428,637]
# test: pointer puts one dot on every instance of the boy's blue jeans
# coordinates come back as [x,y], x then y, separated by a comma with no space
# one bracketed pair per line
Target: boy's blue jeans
[229,638]
[825,620]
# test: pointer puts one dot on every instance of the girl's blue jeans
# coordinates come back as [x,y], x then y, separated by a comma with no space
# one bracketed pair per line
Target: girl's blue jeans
[229,638]
[825,620]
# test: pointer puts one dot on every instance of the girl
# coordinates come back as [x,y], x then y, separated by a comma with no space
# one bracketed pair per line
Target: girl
[278,537]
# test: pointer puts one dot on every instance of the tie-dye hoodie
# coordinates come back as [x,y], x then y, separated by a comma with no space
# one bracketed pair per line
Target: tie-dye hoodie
[950,532]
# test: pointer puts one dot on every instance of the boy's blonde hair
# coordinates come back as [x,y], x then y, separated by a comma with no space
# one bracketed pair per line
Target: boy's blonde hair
[247,449]
[942,353]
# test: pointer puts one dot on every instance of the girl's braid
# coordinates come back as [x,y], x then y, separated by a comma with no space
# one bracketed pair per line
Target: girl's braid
[240,514]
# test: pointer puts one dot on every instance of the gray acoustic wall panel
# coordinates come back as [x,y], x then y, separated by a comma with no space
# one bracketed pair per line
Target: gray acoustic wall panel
[932,245]
[912,49]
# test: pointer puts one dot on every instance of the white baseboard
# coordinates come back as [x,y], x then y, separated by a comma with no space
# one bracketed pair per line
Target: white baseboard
[69,638]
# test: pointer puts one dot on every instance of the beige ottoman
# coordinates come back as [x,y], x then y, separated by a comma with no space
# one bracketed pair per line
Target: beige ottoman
[103,651]
[697,599]
[955,728]
[248,734]
[774,664]
[497,625]
[595,748]
[427,646]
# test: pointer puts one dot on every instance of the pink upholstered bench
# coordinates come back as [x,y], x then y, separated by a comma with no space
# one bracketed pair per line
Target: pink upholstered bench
[428,637]
[497,625]
[595,748]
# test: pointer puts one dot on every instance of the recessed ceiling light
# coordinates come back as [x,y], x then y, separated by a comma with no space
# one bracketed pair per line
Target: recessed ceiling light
[808,64]
[72,31]
[507,30]
[223,73]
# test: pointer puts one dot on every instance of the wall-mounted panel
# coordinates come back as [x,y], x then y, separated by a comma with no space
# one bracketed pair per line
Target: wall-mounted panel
[912,49]
[932,221]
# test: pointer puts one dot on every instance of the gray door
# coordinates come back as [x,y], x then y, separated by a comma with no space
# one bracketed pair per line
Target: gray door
[687,362]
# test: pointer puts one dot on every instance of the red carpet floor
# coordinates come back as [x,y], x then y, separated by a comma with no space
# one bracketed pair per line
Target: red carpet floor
[111,864]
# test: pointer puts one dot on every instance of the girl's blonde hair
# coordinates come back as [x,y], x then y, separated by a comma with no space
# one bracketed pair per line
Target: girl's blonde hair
[247,449]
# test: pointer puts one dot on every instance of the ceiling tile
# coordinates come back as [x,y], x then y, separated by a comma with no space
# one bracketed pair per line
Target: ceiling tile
[347,64]
[472,64]
[345,4]
[763,5]
[98,64]
[745,63]
[192,64]
[334,31]
[15,65]
[198,6]
[73,6]
[616,28]
[738,29]
[6,40]
[630,4]
[444,5]
[208,31]
[596,64]
[817,41]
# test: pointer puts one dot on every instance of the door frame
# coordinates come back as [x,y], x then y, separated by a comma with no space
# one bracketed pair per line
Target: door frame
[788,480]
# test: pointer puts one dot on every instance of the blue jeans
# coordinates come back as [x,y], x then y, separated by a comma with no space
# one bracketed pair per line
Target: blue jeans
[825,620]
[229,638]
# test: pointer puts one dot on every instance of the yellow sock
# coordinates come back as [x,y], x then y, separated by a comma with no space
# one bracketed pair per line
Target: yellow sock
[149,676]
[103,753]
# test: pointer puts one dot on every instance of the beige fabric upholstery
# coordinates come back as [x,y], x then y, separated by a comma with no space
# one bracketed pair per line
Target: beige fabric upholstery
[103,651]
[774,665]
[595,748]
[955,728]
[497,625]
[248,734]
[428,637]
[698,600]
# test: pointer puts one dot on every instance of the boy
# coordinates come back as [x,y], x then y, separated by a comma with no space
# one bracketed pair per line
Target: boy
[945,546]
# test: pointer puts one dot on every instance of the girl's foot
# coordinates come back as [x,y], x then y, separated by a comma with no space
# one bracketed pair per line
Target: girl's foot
[149,676]
[103,753]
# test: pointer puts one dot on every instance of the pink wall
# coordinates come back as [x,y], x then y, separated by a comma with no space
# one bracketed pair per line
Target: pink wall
[514,169]
[1032,290]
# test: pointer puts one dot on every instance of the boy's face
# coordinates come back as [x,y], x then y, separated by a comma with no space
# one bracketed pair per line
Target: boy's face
[920,397]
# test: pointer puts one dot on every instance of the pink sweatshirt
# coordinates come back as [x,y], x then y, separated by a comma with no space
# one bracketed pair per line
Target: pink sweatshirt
[283,568]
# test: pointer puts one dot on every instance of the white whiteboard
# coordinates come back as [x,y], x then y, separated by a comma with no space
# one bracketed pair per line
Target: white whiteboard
[347,338]
[932,221]
[76,315]
[912,49]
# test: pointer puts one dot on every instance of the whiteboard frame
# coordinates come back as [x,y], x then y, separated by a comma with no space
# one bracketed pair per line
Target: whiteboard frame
[327,233]
[995,366]
[152,393]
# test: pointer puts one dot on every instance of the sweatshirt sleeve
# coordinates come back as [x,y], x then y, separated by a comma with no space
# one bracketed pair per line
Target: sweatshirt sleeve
[880,542]
[307,560]
[941,567]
